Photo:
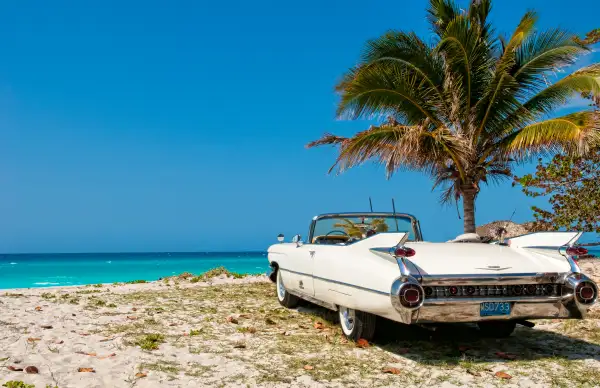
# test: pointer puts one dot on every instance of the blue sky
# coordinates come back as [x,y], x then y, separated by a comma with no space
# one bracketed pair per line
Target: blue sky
[180,126]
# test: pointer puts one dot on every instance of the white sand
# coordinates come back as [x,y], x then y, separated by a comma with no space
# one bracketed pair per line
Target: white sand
[59,330]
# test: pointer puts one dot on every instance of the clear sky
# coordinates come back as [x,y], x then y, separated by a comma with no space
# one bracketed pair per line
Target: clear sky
[181,125]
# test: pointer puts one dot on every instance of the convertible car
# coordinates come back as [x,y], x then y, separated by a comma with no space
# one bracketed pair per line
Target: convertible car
[365,265]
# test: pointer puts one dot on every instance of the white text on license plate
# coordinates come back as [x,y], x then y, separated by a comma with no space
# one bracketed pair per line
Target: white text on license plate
[487,309]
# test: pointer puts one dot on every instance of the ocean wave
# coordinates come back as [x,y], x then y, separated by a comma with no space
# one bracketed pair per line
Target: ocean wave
[108,262]
[46,284]
[12,263]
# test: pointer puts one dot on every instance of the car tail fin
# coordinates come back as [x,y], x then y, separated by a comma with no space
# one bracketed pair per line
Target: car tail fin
[544,240]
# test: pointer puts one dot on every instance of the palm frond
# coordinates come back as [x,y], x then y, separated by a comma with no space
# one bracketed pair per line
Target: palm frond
[327,139]
[574,133]
[386,89]
[440,13]
[468,60]
[397,147]
[585,80]
[499,99]
[542,52]
[408,52]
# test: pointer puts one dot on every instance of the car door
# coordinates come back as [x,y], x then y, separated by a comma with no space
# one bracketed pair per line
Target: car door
[327,267]
[301,276]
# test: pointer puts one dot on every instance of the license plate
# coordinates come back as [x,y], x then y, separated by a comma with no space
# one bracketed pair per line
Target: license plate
[487,309]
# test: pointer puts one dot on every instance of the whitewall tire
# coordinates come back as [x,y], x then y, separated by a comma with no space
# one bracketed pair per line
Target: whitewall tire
[285,298]
[357,324]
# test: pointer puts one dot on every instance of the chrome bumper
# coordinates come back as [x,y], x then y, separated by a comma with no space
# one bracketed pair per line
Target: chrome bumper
[470,312]
[439,310]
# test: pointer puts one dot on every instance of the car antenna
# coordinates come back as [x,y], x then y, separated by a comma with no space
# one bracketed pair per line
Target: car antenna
[395,218]
[506,225]
[371,204]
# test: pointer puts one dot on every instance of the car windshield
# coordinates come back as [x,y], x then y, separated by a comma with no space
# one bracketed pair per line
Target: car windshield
[332,230]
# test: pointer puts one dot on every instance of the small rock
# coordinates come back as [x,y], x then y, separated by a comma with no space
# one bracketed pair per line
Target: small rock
[393,371]
[319,325]
[46,326]
[73,315]
[32,370]
[86,370]
[240,345]
[38,308]
[232,320]
[134,309]
[59,342]
[308,367]
[140,375]
[473,372]
[14,368]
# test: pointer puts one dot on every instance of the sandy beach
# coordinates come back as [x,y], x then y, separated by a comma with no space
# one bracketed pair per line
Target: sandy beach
[190,332]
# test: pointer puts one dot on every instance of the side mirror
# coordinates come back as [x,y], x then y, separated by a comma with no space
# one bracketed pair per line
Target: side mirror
[280,237]
[298,240]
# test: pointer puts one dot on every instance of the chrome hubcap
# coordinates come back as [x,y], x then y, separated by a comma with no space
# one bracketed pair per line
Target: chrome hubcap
[347,318]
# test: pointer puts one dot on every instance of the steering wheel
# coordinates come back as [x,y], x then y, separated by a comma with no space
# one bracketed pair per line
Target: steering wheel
[339,232]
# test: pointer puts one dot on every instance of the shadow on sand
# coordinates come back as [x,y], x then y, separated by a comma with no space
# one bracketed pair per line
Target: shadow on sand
[451,344]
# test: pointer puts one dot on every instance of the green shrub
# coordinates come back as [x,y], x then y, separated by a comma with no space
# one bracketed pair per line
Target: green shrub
[136,281]
[150,341]
[17,384]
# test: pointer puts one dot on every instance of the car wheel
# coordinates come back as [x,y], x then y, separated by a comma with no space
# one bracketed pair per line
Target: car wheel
[496,329]
[285,298]
[357,324]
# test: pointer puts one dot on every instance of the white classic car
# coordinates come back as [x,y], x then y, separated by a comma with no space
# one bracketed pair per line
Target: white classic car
[375,264]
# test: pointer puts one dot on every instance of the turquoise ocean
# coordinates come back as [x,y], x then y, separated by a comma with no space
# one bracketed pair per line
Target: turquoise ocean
[47,270]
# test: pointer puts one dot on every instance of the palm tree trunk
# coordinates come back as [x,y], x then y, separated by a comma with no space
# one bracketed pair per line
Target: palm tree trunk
[469,195]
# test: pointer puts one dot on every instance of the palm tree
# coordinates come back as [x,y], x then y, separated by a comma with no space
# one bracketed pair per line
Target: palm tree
[469,104]
[355,229]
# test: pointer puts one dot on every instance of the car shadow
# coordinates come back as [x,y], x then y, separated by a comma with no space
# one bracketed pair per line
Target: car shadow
[450,344]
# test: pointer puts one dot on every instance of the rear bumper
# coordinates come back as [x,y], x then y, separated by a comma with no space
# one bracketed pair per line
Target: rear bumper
[438,310]
[470,312]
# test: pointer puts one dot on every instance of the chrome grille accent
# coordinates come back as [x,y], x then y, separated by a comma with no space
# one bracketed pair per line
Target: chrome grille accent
[493,291]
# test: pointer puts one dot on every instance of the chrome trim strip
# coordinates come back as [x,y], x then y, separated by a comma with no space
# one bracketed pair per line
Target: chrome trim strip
[338,282]
[499,298]
[313,300]
[492,279]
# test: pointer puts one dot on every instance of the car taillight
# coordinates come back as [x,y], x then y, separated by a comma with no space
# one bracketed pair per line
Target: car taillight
[585,293]
[404,252]
[410,295]
[576,251]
